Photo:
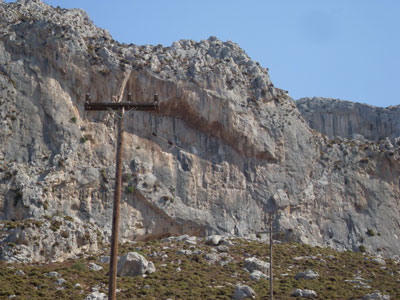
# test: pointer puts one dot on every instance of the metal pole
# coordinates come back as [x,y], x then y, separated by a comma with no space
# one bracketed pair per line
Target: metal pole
[112,283]
[271,297]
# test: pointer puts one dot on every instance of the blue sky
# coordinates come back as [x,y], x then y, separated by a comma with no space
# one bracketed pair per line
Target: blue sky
[345,49]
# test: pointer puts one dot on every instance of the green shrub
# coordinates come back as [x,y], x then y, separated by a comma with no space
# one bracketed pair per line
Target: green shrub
[370,232]
[55,225]
[79,266]
[104,176]
[126,177]
[69,218]
[65,234]
[362,248]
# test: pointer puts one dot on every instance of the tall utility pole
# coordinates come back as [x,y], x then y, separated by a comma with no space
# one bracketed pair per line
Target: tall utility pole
[270,231]
[271,288]
[120,107]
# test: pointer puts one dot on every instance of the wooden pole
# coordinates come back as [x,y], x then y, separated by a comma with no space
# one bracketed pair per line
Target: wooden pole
[271,289]
[117,199]
[120,107]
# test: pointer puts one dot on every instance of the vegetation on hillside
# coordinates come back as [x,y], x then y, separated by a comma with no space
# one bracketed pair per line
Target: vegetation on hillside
[180,276]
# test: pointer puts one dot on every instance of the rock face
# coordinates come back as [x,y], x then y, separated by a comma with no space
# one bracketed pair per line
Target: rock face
[225,148]
[334,117]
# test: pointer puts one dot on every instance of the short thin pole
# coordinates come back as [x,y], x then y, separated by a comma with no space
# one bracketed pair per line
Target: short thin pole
[112,283]
[270,258]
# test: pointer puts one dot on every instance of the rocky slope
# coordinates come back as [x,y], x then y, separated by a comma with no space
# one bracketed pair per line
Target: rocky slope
[190,268]
[346,119]
[225,148]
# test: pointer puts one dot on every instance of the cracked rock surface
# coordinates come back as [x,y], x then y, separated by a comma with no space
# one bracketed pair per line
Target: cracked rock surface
[225,147]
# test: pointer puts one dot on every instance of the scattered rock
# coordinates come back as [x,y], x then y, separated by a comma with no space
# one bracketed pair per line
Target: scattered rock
[214,240]
[304,293]
[223,248]
[379,261]
[212,257]
[96,296]
[104,259]
[243,292]
[192,240]
[94,267]
[257,275]
[60,281]
[20,273]
[184,252]
[308,274]
[376,296]
[53,274]
[181,238]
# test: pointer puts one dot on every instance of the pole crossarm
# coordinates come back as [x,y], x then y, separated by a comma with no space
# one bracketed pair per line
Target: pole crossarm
[273,231]
[118,105]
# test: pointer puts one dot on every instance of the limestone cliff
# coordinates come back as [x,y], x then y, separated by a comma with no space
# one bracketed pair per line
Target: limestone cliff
[225,148]
[334,117]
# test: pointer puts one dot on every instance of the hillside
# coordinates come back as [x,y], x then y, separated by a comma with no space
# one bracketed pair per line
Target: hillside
[195,270]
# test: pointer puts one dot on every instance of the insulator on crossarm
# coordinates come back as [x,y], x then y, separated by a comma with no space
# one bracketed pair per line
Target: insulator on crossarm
[88,98]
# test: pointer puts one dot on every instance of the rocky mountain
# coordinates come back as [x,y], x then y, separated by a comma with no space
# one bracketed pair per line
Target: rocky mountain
[334,117]
[225,148]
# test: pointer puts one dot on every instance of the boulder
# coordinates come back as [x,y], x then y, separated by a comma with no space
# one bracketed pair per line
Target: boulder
[53,274]
[257,275]
[243,292]
[104,259]
[376,296]
[94,267]
[184,252]
[192,241]
[96,296]
[212,257]
[223,248]
[60,281]
[379,261]
[308,274]
[134,264]
[251,264]
[214,240]
[20,272]
[304,293]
